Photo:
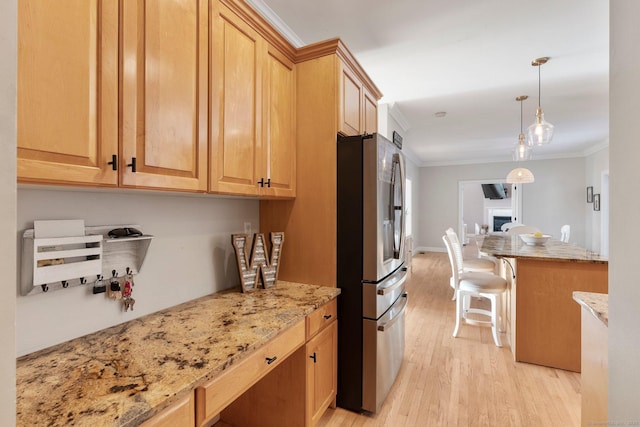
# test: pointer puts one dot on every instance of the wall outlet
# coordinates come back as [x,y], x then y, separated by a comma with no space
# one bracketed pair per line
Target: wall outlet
[247,228]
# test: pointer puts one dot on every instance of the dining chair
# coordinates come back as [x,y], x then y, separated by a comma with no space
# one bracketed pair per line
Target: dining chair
[476,284]
[522,229]
[470,263]
[565,232]
[507,225]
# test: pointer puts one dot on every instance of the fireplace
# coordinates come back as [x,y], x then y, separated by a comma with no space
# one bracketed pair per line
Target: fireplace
[498,221]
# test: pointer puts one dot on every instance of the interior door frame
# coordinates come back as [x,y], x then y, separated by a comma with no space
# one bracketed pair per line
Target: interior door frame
[516,201]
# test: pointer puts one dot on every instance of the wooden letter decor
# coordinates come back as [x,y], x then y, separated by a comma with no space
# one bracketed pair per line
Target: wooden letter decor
[248,267]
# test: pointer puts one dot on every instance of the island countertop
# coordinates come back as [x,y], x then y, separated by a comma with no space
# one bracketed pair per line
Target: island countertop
[125,374]
[513,247]
[596,303]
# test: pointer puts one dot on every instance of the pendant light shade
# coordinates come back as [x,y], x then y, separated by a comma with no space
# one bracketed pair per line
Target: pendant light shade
[541,131]
[522,151]
[520,176]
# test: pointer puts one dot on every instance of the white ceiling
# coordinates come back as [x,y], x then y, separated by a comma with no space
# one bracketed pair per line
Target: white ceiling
[471,59]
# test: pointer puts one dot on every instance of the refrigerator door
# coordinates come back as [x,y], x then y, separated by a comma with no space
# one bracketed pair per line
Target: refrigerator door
[383,350]
[383,208]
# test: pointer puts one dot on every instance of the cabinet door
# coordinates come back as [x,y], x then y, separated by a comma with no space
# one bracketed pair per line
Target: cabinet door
[279,148]
[350,103]
[236,88]
[370,113]
[321,371]
[164,94]
[67,91]
[180,414]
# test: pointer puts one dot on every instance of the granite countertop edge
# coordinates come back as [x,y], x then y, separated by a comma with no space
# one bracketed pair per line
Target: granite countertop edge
[596,303]
[553,250]
[125,374]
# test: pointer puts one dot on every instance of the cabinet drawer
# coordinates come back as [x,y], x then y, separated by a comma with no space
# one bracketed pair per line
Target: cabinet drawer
[214,396]
[181,413]
[321,317]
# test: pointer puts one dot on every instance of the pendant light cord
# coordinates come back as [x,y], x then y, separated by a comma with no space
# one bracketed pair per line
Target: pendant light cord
[539,90]
[521,115]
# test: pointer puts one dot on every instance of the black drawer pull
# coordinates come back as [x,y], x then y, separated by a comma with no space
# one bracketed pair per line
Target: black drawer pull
[133,165]
[327,316]
[113,162]
[270,360]
[313,357]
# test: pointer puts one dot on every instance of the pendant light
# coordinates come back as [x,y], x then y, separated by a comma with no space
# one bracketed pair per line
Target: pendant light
[541,132]
[522,150]
[520,176]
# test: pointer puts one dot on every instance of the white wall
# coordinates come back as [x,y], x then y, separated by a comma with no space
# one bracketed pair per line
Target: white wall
[595,165]
[190,256]
[555,198]
[473,206]
[7,210]
[624,151]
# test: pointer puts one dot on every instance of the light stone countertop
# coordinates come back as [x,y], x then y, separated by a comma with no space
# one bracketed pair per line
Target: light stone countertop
[596,303]
[553,250]
[125,374]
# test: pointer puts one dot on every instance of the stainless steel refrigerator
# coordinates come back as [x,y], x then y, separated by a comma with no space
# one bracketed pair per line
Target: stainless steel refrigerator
[370,269]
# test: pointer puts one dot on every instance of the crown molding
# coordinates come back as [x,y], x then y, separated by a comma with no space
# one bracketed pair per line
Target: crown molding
[277,22]
[394,111]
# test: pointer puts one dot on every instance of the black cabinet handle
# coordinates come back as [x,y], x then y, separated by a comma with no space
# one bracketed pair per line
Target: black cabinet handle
[270,360]
[113,162]
[269,183]
[132,165]
[261,182]
[313,357]
[327,316]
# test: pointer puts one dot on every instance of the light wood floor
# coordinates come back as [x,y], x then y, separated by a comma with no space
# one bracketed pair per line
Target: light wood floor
[463,381]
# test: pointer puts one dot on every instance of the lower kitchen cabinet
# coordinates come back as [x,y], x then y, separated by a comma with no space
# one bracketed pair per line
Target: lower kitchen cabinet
[301,388]
[180,414]
[321,372]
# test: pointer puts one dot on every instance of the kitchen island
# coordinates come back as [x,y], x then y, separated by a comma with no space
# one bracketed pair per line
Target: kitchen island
[542,320]
[126,374]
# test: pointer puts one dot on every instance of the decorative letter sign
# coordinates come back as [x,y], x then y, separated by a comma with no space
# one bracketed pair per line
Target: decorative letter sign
[259,260]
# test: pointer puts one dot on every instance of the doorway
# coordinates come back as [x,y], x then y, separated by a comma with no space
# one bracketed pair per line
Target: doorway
[482,210]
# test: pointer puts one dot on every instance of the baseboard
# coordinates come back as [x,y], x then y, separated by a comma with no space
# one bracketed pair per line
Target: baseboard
[428,249]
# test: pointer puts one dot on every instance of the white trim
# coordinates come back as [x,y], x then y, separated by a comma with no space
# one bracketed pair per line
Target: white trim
[419,249]
[394,111]
[277,22]
[598,147]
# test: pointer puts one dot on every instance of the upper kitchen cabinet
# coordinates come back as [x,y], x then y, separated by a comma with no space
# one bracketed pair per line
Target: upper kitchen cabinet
[81,61]
[252,109]
[327,75]
[357,107]
[67,91]
[164,93]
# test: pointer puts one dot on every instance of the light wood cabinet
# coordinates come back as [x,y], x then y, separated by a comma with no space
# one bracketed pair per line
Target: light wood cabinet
[309,221]
[180,414]
[67,91]
[164,94]
[214,396]
[321,372]
[252,111]
[74,66]
[301,388]
[358,107]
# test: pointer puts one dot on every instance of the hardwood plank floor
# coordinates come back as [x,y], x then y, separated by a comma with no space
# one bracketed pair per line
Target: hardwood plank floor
[463,381]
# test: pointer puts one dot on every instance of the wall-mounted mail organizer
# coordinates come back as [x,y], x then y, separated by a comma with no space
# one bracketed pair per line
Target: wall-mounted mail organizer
[51,263]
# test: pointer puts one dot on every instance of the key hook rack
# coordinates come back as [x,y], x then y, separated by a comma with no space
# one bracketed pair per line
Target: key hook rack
[60,262]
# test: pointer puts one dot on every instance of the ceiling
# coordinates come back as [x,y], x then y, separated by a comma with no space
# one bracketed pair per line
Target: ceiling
[471,59]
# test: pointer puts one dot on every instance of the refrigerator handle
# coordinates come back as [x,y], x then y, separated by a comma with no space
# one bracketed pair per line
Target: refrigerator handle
[394,284]
[395,318]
